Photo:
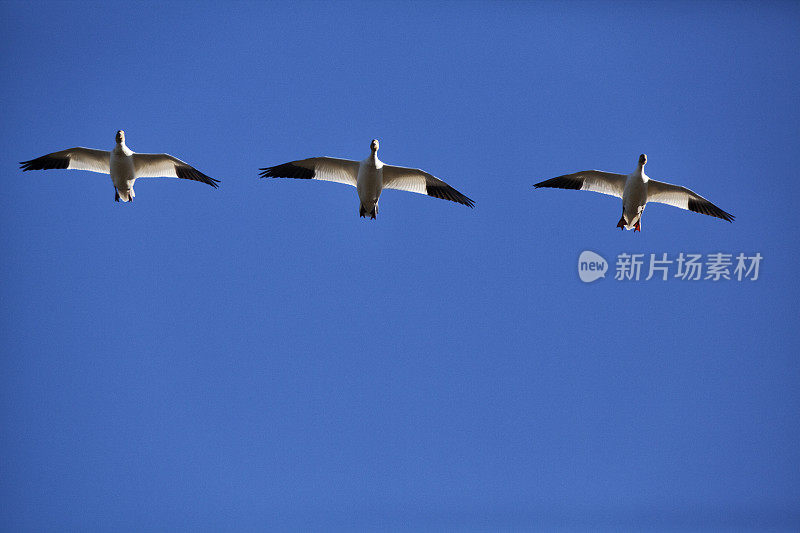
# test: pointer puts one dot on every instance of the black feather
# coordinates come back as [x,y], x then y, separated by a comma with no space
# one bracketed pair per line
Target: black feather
[562,182]
[287,170]
[707,208]
[446,192]
[191,173]
[45,162]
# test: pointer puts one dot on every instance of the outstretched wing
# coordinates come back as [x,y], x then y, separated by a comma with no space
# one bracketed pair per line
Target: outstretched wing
[316,168]
[589,180]
[677,196]
[416,180]
[74,158]
[167,166]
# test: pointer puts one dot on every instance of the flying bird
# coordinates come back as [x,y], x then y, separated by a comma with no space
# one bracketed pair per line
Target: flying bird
[123,164]
[370,177]
[636,190]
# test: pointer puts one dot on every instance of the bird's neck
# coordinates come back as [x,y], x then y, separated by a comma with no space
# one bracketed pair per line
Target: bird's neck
[121,148]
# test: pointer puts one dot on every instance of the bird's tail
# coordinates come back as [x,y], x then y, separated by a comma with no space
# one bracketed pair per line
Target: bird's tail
[125,196]
[371,213]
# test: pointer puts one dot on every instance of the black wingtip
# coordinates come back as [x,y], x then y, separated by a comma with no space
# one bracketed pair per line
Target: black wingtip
[561,182]
[446,192]
[287,170]
[209,180]
[705,207]
[190,173]
[45,162]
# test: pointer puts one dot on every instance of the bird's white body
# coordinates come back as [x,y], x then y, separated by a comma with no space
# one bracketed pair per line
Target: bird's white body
[635,190]
[122,171]
[634,197]
[369,183]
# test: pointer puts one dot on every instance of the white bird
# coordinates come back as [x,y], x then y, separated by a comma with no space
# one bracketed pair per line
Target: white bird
[370,177]
[123,164]
[636,190]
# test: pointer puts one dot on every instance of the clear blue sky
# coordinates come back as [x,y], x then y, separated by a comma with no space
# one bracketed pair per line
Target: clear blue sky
[258,356]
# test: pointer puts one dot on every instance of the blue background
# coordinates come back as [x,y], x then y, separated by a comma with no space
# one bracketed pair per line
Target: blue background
[259,357]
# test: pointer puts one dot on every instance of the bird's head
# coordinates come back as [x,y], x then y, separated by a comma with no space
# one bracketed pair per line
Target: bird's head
[374,145]
[120,137]
[643,159]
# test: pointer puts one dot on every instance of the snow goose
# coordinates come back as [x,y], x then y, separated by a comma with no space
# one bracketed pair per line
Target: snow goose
[123,164]
[369,177]
[636,190]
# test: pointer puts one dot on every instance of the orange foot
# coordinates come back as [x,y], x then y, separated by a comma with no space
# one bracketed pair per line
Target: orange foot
[637,227]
